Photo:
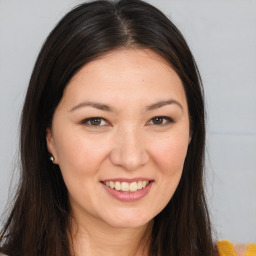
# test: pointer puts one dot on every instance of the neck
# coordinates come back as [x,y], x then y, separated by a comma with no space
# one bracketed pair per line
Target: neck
[94,238]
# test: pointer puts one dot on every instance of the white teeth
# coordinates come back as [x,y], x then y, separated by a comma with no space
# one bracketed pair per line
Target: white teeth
[111,184]
[117,185]
[125,186]
[133,186]
[140,184]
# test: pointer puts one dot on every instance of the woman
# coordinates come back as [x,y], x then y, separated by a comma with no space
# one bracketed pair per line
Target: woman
[112,140]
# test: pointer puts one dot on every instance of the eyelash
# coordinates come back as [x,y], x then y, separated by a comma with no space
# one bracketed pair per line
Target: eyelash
[167,119]
[87,120]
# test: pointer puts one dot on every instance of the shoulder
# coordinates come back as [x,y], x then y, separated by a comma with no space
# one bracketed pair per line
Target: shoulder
[240,249]
[227,248]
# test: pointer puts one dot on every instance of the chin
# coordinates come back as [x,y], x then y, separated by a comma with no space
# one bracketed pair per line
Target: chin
[130,221]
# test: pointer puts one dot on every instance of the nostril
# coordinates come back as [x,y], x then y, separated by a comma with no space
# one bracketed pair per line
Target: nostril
[128,158]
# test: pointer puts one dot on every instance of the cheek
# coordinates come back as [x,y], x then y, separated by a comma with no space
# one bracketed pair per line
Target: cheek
[169,156]
[79,155]
[170,152]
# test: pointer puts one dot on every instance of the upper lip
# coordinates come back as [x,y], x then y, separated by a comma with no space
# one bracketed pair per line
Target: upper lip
[128,180]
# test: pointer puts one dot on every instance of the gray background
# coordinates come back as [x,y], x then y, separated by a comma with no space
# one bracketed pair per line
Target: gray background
[222,36]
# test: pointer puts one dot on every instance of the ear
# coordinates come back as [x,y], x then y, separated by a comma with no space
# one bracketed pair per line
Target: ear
[191,129]
[50,144]
[190,138]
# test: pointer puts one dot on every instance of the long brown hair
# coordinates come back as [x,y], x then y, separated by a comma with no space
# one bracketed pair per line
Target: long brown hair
[38,223]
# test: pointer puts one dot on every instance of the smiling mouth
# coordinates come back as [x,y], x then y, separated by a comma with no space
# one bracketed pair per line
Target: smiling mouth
[126,186]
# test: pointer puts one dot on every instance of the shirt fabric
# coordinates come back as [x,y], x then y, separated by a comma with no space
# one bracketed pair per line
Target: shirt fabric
[226,248]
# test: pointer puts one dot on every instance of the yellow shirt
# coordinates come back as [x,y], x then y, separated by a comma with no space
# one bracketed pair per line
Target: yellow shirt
[227,249]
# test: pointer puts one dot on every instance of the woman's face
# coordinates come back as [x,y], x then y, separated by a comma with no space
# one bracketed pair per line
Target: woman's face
[120,136]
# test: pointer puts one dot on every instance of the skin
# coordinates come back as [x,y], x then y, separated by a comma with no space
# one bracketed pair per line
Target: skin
[128,143]
[240,249]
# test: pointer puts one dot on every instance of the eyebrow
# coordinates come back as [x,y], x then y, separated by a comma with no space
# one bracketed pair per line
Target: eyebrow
[107,108]
[96,105]
[162,103]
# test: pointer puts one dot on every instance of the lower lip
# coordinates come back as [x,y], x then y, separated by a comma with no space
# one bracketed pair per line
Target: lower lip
[128,196]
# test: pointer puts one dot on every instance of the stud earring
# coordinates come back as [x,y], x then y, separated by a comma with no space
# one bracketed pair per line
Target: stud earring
[52,158]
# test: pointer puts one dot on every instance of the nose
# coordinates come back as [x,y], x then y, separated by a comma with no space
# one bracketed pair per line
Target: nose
[128,149]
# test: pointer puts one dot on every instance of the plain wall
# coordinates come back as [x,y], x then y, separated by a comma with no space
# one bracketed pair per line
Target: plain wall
[222,37]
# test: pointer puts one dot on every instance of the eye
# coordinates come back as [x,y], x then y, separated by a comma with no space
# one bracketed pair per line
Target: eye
[161,120]
[95,121]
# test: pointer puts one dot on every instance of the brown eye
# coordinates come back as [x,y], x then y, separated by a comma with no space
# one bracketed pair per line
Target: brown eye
[95,121]
[157,120]
[161,120]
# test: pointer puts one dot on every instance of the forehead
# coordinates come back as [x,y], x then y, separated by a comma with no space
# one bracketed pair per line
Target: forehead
[123,61]
[126,75]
